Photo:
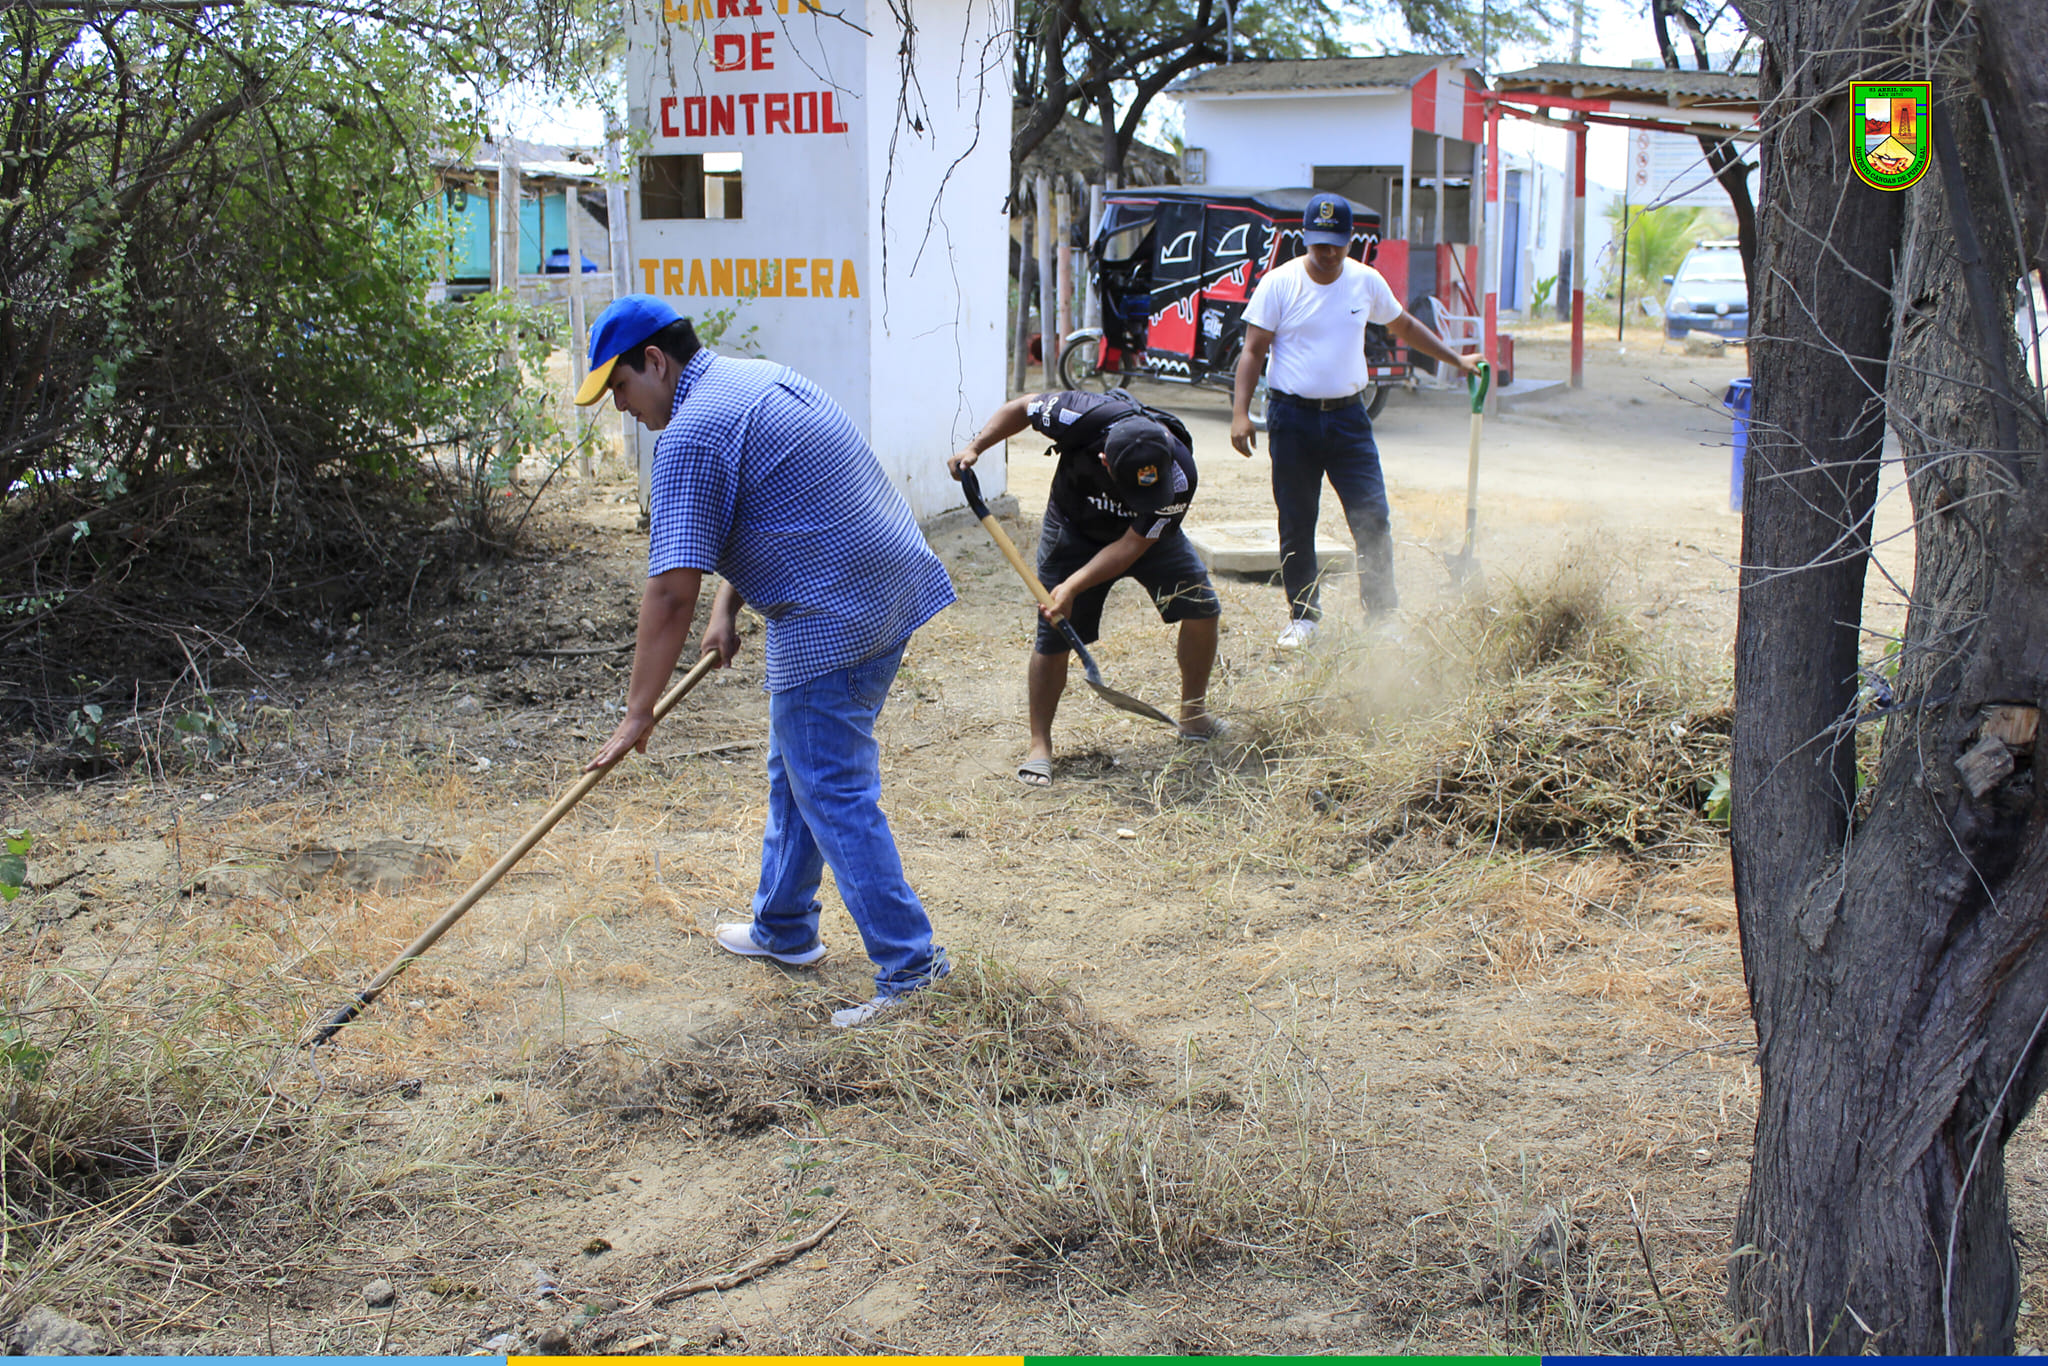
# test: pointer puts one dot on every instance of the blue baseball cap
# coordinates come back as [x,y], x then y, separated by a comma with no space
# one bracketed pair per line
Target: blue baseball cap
[625,324]
[1326,220]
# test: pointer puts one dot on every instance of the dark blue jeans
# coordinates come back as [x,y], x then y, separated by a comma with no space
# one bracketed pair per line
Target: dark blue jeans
[824,807]
[1308,445]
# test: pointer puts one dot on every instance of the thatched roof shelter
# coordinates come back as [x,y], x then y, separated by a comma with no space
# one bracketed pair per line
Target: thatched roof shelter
[1073,150]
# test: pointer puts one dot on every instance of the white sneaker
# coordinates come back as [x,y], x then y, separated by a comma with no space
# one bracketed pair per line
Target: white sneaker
[740,939]
[1299,632]
[868,1010]
[862,1013]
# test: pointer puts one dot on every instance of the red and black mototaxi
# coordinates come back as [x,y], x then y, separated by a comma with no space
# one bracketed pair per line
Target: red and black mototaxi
[1174,267]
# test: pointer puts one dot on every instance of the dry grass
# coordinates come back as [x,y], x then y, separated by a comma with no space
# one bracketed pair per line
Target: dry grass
[986,1031]
[163,1130]
[1500,799]
[1538,720]
[1155,1180]
[1035,1123]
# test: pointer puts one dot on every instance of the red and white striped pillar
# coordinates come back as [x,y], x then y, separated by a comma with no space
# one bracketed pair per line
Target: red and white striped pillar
[1578,282]
[1490,232]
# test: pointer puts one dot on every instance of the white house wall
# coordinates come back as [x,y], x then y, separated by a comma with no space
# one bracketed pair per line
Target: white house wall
[1541,153]
[937,149]
[902,327]
[1267,142]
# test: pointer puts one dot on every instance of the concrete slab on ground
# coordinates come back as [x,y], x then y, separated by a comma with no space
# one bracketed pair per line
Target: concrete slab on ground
[1522,390]
[1252,548]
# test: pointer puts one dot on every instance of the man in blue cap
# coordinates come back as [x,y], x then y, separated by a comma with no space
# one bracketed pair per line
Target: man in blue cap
[763,479]
[1310,316]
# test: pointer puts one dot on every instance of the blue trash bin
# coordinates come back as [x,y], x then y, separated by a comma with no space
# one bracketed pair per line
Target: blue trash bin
[1736,401]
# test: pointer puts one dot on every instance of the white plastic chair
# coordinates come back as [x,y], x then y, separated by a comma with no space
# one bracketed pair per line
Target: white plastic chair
[1462,332]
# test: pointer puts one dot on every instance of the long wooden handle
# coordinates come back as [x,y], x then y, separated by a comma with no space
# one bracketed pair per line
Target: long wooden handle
[1476,385]
[1016,559]
[1472,479]
[970,485]
[419,946]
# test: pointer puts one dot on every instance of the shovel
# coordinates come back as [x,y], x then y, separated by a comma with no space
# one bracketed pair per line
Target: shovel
[1464,566]
[368,995]
[1123,701]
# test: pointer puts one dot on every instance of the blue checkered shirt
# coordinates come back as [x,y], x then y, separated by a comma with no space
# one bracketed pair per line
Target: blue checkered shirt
[762,478]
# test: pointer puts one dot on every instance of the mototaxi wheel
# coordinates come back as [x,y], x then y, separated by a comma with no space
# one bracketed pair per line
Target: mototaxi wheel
[1080,367]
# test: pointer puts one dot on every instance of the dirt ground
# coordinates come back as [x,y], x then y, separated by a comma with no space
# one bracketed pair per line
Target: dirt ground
[1474,1051]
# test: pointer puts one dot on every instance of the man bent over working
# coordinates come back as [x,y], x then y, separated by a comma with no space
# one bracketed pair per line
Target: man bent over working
[1119,493]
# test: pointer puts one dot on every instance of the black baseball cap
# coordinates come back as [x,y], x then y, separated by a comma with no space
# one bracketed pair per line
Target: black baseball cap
[1326,220]
[1140,456]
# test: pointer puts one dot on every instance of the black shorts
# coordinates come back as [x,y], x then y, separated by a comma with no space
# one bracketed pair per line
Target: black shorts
[1170,571]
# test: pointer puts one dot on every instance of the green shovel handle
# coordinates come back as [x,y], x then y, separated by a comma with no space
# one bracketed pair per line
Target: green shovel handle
[1477,383]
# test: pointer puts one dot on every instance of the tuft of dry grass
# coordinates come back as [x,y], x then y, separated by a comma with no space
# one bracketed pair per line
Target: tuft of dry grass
[1148,1180]
[987,1030]
[1560,615]
[1536,720]
[1012,1101]
[1564,759]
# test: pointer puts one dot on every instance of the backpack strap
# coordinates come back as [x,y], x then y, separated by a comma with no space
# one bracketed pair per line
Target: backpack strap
[1088,431]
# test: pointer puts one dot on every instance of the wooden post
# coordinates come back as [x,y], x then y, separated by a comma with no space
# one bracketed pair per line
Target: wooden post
[1048,309]
[1438,208]
[620,231]
[508,243]
[1091,303]
[579,331]
[1063,263]
[1020,360]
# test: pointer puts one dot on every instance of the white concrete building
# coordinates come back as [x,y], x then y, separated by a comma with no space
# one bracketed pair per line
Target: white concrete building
[842,188]
[1535,220]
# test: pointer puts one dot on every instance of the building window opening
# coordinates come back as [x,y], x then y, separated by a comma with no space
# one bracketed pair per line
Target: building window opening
[691,185]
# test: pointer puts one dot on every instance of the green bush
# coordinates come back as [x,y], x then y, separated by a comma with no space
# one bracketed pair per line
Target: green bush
[1658,240]
[216,269]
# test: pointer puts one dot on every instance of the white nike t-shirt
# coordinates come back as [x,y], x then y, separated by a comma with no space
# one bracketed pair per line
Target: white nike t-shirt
[1319,330]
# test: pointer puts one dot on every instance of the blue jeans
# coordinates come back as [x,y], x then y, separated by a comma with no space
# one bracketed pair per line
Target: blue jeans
[824,806]
[1306,445]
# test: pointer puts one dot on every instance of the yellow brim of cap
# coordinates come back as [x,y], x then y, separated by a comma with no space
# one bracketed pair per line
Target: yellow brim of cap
[595,383]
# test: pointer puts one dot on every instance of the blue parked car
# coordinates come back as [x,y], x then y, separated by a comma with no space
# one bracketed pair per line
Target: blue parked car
[1708,294]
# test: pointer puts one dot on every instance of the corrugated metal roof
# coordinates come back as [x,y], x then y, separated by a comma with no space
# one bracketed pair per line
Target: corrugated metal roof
[1607,82]
[1397,72]
[535,159]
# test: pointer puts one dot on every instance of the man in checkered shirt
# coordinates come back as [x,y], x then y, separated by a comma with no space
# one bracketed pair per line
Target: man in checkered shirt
[762,478]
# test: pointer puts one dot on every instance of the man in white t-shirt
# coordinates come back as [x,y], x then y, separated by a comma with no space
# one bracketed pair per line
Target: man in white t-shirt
[1310,316]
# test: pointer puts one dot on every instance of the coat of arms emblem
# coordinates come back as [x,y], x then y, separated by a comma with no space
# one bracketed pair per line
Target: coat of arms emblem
[1888,141]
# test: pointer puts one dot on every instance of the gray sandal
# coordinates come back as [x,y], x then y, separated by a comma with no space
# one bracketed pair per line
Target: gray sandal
[1035,773]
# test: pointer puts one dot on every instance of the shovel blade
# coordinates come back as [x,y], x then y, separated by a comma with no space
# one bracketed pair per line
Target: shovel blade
[1123,701]
[1464,568]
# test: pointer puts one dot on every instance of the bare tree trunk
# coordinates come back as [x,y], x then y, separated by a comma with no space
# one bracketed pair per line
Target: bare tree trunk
[2015,80]
[1895,954]
[1112,145]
